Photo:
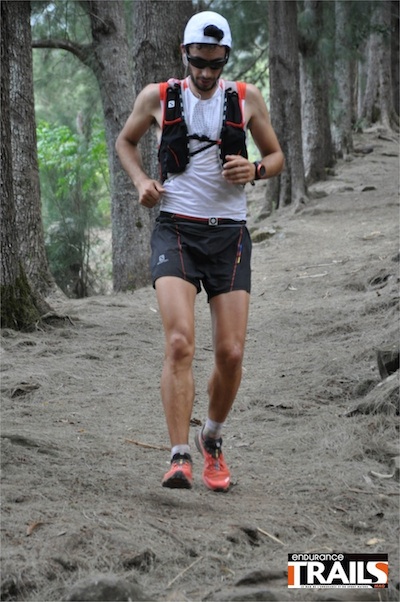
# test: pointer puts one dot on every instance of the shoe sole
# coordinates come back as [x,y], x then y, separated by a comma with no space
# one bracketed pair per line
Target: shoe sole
[177,481]
[200,449]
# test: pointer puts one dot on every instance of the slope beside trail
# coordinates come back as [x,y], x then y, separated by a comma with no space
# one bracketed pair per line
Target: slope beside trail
[312,440]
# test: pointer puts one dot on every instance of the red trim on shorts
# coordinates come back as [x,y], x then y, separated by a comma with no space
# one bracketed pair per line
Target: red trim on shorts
[178,235]
[237,258]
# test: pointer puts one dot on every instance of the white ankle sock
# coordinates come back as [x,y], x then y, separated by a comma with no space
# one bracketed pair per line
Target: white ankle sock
[180,449]
[212,429]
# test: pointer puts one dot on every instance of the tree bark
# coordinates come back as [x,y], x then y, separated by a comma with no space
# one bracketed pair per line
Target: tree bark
[316,131]
[371,88]
[110,61]
[285,107]
[19,303]
[26,185]
[343,117]
[389,117]
[378,98]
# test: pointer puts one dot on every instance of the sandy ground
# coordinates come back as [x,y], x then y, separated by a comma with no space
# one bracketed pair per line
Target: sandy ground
[312,434]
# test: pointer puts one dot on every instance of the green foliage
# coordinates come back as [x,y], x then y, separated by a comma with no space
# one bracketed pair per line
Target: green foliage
[248,20]
[74,184]
[64,87]
[60,19]
[72,151]
[63,84]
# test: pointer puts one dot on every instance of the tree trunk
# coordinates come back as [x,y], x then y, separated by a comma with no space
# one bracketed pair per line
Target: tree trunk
[316,131]
[285,107]
[361,78]
[19,308]
[343,107]
[113,68]
[24,151]
[389,117]
[371,87]
[378,99]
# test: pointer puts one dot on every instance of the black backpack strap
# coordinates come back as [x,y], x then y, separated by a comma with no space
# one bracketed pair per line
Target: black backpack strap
[233,134]
[173,151]
[233,108]
[173,108]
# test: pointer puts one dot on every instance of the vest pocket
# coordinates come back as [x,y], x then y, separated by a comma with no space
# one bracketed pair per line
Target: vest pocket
[173,153]
[233,142]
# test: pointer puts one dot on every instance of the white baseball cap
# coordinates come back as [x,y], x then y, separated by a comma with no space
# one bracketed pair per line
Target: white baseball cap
[195,30]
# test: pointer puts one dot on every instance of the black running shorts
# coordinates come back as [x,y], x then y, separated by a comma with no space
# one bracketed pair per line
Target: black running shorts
[216,256]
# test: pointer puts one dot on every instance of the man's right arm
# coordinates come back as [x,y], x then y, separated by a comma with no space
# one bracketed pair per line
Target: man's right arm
[145,112]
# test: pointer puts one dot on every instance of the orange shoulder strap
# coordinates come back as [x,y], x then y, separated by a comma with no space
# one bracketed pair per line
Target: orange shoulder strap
[163,90]
[241,90]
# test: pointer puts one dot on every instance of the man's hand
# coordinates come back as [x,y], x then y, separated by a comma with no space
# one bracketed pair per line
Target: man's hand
[238,170]
[150,192]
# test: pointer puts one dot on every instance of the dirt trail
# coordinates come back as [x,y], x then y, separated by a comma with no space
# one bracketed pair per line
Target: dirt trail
[311,433]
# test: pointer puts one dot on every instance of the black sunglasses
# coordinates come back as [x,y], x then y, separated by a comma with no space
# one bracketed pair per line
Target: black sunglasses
[200,63]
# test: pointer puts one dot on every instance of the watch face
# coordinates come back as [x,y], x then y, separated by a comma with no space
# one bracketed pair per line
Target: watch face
[262,172]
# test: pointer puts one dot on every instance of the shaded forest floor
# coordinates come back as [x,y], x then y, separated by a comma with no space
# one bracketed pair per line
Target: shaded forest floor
[312,439]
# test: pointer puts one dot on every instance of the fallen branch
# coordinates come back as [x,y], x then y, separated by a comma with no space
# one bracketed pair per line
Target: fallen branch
[321,265]
[387,138]
[52,315]
[147,445]
[271,536]
[30,528]
[379,475]
[354,490]
[184,571]
[313,275]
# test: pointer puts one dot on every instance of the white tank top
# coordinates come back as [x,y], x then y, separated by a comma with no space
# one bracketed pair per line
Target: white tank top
[201,191]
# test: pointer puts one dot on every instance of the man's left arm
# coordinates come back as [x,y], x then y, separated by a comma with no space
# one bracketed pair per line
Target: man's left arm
[239,170]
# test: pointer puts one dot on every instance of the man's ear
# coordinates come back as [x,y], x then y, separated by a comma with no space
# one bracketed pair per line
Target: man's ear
[184,57]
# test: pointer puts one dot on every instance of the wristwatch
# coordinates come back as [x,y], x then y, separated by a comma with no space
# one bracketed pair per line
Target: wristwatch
[261,172]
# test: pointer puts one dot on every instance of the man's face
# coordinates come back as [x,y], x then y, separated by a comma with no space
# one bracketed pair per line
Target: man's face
[206,63]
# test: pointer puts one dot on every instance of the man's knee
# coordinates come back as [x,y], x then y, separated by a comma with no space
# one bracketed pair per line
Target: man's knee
[230,356]
[180,348]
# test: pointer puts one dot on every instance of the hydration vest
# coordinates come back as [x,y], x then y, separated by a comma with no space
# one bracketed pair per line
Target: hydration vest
[173,151]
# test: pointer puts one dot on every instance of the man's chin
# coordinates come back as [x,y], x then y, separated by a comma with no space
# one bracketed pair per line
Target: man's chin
[205,86]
